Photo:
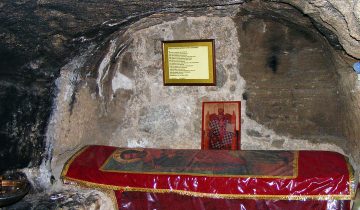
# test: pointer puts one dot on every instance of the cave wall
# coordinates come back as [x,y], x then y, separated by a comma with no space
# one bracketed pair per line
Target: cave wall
[282,72]
[37,38]
[291,80]
[43,40]
[124,102]
[339,17]
[350,95]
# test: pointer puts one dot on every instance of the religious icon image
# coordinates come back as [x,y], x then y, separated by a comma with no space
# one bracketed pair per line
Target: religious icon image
[221,125]
[201,162]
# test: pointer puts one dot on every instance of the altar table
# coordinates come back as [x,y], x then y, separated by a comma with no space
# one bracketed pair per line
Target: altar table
[215,179]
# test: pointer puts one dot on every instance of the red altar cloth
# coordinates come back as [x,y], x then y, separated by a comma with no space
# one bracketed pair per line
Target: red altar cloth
[213,174]
[160,201]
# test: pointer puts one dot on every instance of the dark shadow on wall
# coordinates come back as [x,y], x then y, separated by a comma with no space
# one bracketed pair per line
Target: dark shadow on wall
[292,84]
[25,101]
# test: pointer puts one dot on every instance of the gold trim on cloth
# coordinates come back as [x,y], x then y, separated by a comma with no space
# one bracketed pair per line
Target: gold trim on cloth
[211,195]
[352,182]
[115,154]
[296,165]
[103,187]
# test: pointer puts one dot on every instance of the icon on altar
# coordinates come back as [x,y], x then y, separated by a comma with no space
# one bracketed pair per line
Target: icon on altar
[221,125]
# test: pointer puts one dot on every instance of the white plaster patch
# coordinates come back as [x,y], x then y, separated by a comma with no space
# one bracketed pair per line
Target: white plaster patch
[142,142]
[121,81]
[69,76]
[264,28]
[38,177]
[69,87]
[104,67]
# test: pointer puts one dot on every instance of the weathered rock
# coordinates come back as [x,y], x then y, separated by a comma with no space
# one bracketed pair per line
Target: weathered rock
[158,119]
[117,71]
[288,71]
[275,51]
[150,115]
[74,198]
[340,17]
[36,39]
[221,76]
[253,133]
[278,143]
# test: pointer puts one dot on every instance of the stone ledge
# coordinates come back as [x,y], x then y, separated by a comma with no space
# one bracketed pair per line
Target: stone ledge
[69,197]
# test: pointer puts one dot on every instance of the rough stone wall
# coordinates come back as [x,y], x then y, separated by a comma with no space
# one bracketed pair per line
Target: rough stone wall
[38,37]
[117,96]
[340,17]
[292,83]
[350,96]
[129,106]
[299,86]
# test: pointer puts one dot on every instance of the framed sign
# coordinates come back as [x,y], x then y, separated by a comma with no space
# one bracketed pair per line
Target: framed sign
[190,62]
[221,125]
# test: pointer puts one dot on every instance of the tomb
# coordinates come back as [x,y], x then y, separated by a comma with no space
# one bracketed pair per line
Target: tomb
[249,179]
[96,78]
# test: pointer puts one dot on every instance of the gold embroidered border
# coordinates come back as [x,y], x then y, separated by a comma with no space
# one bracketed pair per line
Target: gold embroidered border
[352,182]
[296,165]
[295,171]
[211,195]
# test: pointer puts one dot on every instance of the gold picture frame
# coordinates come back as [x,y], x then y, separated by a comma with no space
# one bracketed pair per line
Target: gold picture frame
[189,62]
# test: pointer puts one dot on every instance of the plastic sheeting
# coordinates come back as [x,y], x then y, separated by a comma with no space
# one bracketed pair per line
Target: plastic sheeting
[215,178]
[142,201]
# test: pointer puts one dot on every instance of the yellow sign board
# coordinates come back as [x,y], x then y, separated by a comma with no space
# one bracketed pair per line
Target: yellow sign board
[189,62]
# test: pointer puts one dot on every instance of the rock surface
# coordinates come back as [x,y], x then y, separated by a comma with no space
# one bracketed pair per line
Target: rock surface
[68,198]
[107,58]
[37,38]
[291,80]
[281,66]
[141,112]
[340,17]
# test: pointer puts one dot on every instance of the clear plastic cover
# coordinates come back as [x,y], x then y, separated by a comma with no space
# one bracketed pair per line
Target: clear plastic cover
[215,179]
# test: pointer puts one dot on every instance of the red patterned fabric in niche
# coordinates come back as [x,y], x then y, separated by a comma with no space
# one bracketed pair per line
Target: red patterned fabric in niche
[274,175]
[145,200]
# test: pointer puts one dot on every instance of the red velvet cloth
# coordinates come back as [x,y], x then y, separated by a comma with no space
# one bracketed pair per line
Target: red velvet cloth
[317,175]
[145,201]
